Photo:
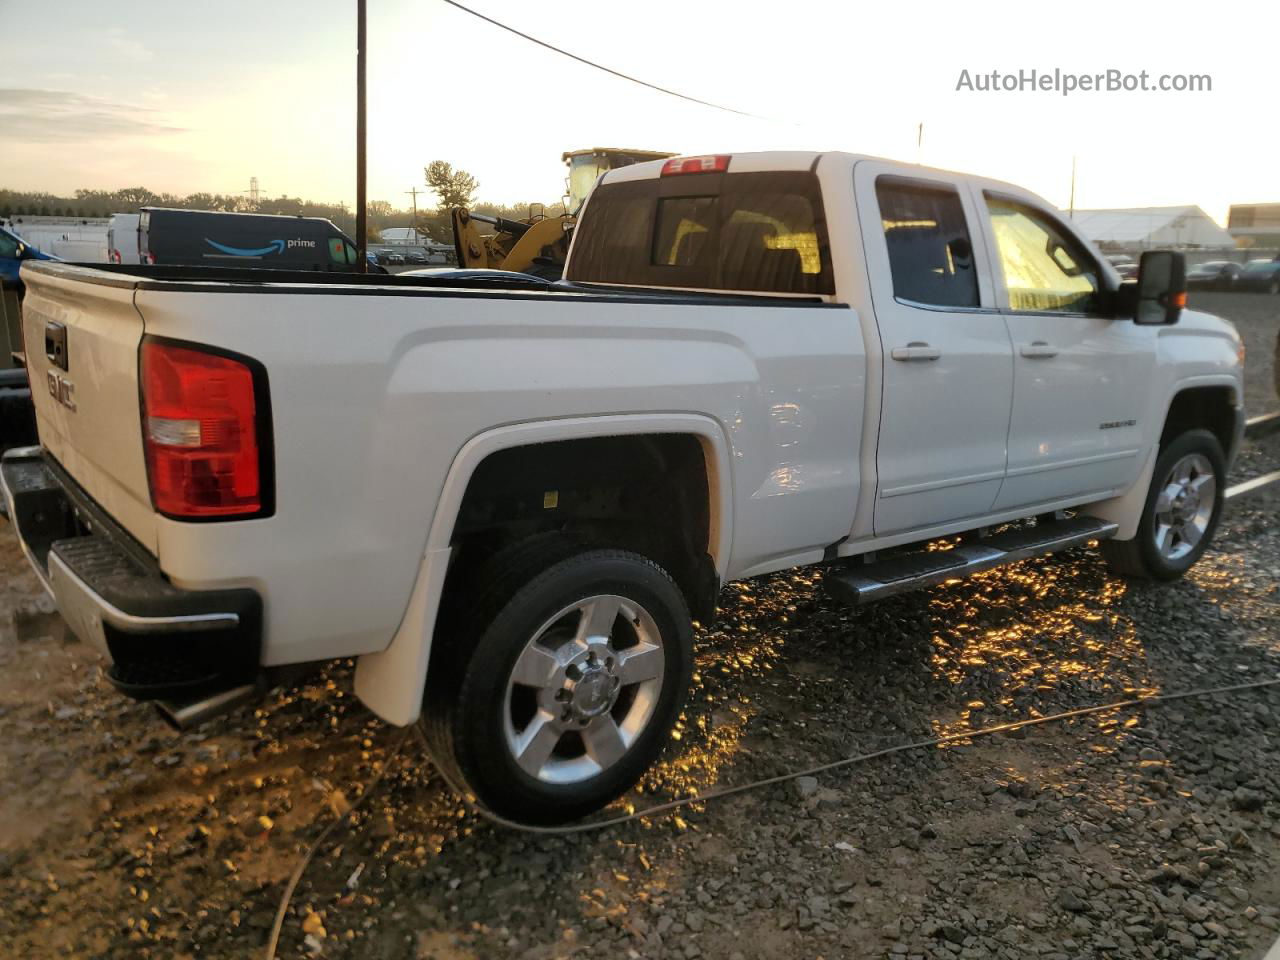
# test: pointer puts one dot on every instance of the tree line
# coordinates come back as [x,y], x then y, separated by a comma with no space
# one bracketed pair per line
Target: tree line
[453,188]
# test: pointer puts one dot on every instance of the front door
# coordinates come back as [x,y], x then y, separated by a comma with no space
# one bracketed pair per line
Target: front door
[1081,379]
[947,360]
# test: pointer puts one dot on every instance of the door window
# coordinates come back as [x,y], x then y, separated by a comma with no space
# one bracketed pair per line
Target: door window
[930,253]
[1045,269]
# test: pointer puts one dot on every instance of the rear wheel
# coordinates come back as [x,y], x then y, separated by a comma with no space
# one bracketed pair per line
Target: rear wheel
[1181,512]
[563,681]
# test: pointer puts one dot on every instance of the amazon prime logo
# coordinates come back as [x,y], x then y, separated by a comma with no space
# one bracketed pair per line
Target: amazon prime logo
[273,247]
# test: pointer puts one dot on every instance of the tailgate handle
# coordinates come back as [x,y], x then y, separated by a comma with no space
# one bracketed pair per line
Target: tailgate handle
[55,343]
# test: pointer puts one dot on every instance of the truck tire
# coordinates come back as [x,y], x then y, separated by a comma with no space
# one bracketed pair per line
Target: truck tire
[565,672]
[1275,367]
[1181,512]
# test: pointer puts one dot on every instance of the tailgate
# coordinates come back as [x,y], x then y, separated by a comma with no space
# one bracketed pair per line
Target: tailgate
[81,333]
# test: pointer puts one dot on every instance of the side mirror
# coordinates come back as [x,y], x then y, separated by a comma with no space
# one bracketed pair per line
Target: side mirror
[1162,287]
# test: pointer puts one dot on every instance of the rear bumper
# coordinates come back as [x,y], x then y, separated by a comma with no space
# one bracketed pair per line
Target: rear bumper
[163,641]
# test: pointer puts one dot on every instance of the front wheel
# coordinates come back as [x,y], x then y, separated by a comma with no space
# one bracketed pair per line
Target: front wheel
[564,682]
[1181,512]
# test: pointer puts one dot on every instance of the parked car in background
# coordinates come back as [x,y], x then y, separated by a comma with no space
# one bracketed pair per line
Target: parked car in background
[415,256]
[1260,276]
[122,238]
[1214,275]
[13,250]
[209,238]
[17,415]
[1125,266]
[394,258]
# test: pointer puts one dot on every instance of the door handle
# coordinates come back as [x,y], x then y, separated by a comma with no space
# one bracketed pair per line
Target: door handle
[915,350]
[1038,350]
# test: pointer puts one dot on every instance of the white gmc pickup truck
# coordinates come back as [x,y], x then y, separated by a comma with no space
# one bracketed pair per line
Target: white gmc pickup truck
[509,503]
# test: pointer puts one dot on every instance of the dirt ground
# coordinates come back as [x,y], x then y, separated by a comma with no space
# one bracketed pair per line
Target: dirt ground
[1149,832]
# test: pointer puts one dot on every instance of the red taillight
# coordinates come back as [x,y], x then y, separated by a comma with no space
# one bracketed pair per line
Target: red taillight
[150,257]
[200,428]
[717,163]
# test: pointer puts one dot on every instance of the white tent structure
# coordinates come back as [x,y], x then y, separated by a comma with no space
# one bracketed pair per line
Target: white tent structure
[399,235]
[1143,228]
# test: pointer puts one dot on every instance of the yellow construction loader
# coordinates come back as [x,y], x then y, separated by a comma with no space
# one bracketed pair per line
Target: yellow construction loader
[539,243]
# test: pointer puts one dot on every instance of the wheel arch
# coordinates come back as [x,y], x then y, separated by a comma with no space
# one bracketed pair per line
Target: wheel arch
[1209,402]
[392,681]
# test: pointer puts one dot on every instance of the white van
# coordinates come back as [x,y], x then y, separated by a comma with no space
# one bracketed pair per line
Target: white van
[122,238]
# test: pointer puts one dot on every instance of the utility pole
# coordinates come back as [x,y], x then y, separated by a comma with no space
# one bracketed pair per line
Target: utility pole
[362,212]
[414,194]
[1071,213]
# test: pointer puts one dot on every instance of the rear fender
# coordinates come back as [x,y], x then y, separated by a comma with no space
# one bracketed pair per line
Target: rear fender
[391,682]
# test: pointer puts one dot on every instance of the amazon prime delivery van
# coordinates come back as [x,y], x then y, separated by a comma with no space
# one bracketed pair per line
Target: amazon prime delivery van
[214,239]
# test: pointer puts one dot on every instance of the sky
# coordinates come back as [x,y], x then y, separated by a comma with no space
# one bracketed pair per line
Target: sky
[181,97]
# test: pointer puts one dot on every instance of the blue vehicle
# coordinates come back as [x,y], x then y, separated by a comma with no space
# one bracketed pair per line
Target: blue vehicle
[1261,276]
[13,250]
[17,415]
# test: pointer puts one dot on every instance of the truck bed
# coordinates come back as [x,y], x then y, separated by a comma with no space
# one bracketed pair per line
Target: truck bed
[375,384]
[248,280]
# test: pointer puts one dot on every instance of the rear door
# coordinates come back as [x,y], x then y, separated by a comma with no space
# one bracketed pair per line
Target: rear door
[81,340]
[1082,379]
[948,363]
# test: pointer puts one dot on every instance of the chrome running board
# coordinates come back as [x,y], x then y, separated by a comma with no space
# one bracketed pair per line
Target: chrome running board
[909,571]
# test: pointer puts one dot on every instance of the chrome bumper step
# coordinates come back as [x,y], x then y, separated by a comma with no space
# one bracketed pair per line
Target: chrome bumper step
[185,714]
[864,583]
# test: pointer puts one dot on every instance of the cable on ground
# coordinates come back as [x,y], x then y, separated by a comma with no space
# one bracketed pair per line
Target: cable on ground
[719,794]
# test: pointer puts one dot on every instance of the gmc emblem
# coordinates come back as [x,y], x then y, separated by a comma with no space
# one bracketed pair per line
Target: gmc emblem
[62,389]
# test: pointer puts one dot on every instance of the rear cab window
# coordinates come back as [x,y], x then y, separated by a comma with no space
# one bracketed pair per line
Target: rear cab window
[750,232]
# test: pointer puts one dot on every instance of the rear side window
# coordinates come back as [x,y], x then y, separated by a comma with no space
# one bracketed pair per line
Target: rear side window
[758,232]
[930,253]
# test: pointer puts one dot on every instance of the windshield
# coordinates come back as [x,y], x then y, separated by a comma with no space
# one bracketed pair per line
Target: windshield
[584,171]
[1259,266]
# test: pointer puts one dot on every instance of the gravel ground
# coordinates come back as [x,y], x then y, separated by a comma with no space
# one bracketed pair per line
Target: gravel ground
[1139,833]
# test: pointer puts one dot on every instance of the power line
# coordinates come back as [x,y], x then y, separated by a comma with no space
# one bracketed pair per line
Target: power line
[599,66]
